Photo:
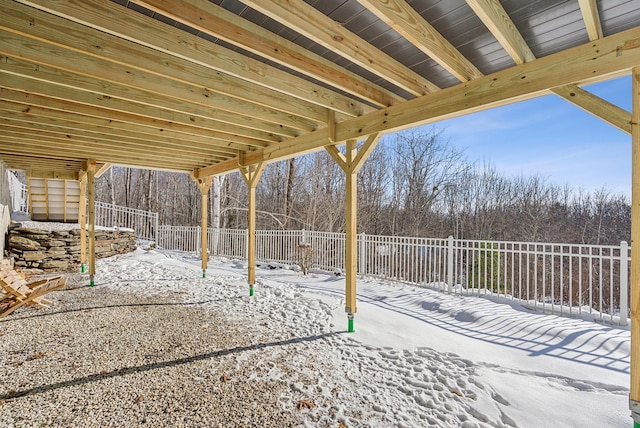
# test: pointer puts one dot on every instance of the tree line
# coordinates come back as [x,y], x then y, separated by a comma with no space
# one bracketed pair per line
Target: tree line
[415,183]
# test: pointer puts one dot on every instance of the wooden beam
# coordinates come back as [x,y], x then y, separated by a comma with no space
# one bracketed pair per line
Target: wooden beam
[218,22]
[610,113]
[46,198]
[74,147]
[403,18]
[634,394]
[364,152]
[88,44]
[121,97]
[204,184]
[112,139]
[251,175]
[91,187]
[48,173]
[331,124]
[126,82]
[21,146]
[64,207]
[340,159]
[145,31]
[82,221]
[604,59]
[314,25]
[499,23]
[102,169]
[589,9]
[33,105]
[27,91]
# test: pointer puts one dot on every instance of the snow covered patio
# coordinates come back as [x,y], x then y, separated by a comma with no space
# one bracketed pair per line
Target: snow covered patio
[155,344]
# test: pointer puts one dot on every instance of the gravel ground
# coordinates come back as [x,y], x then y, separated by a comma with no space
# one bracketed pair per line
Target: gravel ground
[100,358]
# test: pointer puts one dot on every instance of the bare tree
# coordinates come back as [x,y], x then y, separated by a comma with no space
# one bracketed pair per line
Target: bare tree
[425,163]
[374,183]
[414,183]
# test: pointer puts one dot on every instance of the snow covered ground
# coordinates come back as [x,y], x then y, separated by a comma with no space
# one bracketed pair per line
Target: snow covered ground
[418,357]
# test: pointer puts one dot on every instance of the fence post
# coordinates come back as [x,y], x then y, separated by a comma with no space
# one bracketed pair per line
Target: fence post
[624,282]
[363,256]
[155,231]
[450,264]
[246,244]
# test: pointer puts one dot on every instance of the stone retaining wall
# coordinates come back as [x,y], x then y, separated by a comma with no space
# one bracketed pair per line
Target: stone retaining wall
[36,251]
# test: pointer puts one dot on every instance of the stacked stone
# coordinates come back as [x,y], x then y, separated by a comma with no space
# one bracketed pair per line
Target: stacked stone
[38,251]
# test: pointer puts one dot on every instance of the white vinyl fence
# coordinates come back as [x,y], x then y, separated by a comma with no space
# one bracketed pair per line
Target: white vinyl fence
[565,279]
[144,223]
[18,194]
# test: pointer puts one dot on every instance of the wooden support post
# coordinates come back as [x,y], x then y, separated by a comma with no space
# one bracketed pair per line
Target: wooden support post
[351,220]
[251,175]
[46,198]
[82,220]
[634,394]
[351,162]
[204,184]
[331,124]
[64,207]
[91,171]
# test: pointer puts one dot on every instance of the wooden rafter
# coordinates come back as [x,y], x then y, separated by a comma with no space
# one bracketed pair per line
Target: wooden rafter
[126,82]
[405,20]
[20,112]
[218,22]
[591,17]
[127,58]
[52,96]
[610,56]
[145,31]
[130,140]
[296,14]
[499,23]
[69,82]
[132,88]
[38,142]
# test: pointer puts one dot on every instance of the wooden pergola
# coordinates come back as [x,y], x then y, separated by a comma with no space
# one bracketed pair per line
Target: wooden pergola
[209,87]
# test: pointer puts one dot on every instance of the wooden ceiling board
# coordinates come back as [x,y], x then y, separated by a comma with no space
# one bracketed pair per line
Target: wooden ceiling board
[198,85]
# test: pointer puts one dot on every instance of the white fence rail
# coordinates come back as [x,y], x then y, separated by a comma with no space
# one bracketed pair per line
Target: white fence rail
[144,223]
[181,238]
[18,194]
[574,280]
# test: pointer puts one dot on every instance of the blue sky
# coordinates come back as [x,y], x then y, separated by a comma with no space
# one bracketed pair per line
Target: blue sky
[550,137]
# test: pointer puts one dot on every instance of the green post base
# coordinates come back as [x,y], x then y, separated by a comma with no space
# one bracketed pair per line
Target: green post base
[351,329]
[204,273]
[251,290]
[91,283]
[83,268]
[636,425]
